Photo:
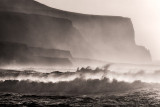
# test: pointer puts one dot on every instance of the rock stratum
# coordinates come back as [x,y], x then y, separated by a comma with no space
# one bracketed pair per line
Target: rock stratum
[108,38]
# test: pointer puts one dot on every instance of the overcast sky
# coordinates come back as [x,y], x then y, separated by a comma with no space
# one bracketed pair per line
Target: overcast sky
[145,15]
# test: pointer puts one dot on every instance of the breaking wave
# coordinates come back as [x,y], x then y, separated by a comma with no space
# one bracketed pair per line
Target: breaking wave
[110,78]
[121,72]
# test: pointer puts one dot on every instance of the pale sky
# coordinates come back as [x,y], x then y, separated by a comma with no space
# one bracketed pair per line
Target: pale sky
[145,15]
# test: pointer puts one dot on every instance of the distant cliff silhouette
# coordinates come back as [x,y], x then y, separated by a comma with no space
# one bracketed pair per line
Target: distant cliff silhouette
[109,38]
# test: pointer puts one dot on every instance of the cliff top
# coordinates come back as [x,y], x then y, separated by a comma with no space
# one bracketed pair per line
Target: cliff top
[20,5]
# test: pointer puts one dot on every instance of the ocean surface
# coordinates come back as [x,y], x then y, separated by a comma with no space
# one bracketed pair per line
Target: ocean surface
[112,85]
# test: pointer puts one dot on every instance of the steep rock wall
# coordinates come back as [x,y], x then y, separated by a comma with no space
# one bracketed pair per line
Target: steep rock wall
[109,38]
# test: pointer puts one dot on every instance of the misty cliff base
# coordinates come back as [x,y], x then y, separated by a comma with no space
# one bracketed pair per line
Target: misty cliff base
[21,54]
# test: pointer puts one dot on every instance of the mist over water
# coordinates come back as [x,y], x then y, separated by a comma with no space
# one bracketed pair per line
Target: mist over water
[131,73]
[120,72]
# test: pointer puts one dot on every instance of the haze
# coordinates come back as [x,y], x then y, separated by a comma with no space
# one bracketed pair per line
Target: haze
[145,15]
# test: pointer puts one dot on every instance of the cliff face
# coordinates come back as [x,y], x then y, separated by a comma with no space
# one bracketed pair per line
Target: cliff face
[109,38]
[42,31]
[21,54]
